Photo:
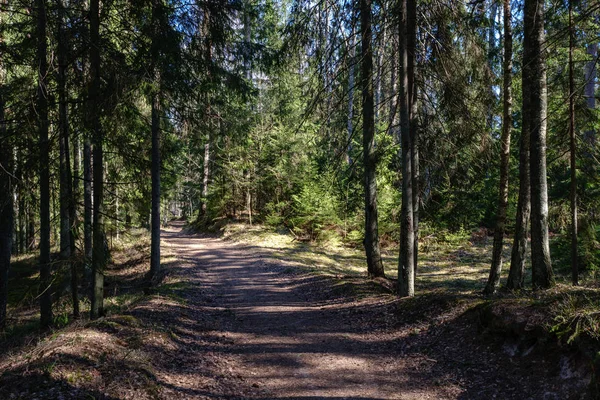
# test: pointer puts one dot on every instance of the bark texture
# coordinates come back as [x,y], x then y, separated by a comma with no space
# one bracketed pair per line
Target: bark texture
[406,277]
[371,242]
[542,276]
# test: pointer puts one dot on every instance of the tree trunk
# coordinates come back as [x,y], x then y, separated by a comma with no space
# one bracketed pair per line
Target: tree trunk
[373,252]
[406,267]
[6,204]
[411,41]
[542,275]
[519,249]
[44,148]
[349,120]
[572,148]
[98,247]
[590,88]
[155,219]
[494,278]
[65,181]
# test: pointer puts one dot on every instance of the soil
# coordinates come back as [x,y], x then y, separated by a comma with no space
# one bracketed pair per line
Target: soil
[240,324]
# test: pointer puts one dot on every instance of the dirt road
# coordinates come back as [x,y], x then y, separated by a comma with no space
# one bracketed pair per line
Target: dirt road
[293,336]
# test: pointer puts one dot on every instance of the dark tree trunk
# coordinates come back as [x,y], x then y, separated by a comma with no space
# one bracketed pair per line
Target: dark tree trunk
[351,73]
[573,194]
[541,266]
[44,148]
[406,270]
[65,182]
[374,261]
[494,278]
[98,248]
[155,218]
[6,208]
[519,249]
[411,40]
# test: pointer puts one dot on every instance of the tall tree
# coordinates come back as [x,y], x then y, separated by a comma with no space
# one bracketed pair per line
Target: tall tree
[406,270]
[65,181]
[155,100]
[6,197]
[371,241]
[534,61]
[44,149]
[98,246]
[496,268]
[411,43]
[572,148]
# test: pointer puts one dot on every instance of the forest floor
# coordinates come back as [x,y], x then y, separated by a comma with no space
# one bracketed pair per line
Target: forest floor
[249,319]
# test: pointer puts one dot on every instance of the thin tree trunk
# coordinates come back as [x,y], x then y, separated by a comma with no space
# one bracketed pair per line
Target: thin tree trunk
[6,204]
[590,88]
[373,252]
[44,148]
[541,266]
[351,70]
[155,220]
[519,249]
[411,41]
[573,194]
[496,268]
[98,248]
[406,266]
[65,182]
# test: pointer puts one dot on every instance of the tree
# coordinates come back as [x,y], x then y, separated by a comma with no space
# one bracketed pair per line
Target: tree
[406,270]
[66,189]
[44,149]
[155,102]
[533,62]
[371,241]
[98,247]
[6,199]
[572,149]
[494,278]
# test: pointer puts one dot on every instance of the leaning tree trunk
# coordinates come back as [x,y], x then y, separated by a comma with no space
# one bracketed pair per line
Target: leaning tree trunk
[98,247]
[541,266]
[373,252]
[44,147]
[406,270]
[496,268]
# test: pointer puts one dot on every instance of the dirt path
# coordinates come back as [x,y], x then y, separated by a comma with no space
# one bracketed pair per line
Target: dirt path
[288,336]
[285,339]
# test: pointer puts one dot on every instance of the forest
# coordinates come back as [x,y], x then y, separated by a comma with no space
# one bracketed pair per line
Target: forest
[262,198]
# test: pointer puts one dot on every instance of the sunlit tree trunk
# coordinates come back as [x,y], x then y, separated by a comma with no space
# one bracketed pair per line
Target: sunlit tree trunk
[371,242]
[406,270]
[542,275]
[494,278]
[411,41]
